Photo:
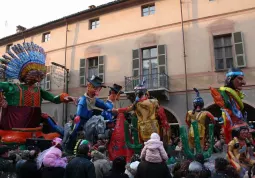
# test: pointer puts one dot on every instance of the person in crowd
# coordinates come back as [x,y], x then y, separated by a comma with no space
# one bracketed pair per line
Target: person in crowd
[153,150]
[118,168]
[218,146]
[231,172]
[179,146]
[81,166]
[220,168]
[29,168]
[5,164]
[131,169]
[24,157]
[195,167]
[53,157]
[102,165]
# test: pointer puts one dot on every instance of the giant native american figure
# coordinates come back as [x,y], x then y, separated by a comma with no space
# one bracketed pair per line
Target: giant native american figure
[21,103]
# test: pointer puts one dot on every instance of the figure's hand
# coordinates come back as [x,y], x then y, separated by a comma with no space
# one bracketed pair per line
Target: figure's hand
[77,119]
[114,110]
[70,99]
[45,115]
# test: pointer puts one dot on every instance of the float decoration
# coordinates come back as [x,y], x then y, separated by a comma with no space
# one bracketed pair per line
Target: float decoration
[188,152]
[133,144]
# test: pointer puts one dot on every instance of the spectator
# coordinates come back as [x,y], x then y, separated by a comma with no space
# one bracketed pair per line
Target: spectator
[179,146]
[24,157]
[152,170]
[131,169]
[5,165]
[231,172]
[53,157]
[153,150]
[118,168]
[80,166]
[102,165]
[29,168]
[220,168]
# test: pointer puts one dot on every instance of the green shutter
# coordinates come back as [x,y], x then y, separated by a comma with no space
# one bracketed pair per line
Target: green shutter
[82,72]
[162,66]
[240,59]
[101,69]
[135,67]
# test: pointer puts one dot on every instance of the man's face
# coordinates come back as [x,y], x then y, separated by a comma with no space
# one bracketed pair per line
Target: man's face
[34,77]
[243,133]
[114,97]
[93,91]
[239,82]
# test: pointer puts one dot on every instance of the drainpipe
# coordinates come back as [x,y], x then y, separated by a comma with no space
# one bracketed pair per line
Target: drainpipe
[65,106]
[184,59]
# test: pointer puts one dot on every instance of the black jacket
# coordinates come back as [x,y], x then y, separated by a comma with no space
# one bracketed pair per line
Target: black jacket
[52,172]
[29,170]
[116,175]
[80,167]
[152,170]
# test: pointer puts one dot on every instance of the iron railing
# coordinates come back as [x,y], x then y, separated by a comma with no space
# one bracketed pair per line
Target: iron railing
[152,81]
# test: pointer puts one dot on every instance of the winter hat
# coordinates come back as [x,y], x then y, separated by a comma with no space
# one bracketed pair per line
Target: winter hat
[195,166]
[155,136]
[56,141]
[134,165]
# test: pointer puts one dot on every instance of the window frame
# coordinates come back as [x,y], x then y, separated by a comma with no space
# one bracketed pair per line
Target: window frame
[45,81]
[149,9]
[48,34]
[223,46]
[97,23]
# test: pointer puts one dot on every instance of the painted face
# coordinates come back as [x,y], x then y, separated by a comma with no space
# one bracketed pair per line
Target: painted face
[93,91]
[243,133]
[239,82]
[33,77]
[114,97]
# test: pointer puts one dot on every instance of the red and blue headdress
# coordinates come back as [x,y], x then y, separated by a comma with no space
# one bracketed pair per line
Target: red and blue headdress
[23,59]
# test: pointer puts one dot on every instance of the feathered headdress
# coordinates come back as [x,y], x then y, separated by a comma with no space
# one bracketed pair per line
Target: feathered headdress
[23,59]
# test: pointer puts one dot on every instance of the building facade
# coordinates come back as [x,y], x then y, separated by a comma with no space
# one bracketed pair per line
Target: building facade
[128,40]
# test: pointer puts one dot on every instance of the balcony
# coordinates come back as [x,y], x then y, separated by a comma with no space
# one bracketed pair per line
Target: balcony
[157,85]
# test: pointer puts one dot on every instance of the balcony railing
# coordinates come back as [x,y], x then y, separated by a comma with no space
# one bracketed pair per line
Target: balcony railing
[153,82]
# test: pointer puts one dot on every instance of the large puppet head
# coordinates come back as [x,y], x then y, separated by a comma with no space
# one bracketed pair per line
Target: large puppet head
[115,92]
[235,79]
[198,102]
[240,131]
[141,90]
[94,86]
[26,63]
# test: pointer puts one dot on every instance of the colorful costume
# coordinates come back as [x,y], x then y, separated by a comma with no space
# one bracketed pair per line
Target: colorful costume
[229,99]
[26,63]
[117,145]
[85,108]
[238,149]
[146,111]
[197,114]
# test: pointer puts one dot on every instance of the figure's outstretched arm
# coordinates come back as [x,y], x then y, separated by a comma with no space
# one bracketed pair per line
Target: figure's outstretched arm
[5,86]
[127,109]
[54,99]
[210,116]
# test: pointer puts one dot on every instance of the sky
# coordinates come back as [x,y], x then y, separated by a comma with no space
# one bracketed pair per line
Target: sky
[30,13]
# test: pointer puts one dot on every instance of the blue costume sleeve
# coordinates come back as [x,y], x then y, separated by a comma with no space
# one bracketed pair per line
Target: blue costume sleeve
[80,105]
[100,104]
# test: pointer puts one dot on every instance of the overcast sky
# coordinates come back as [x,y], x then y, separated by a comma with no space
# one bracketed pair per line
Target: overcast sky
[29,13]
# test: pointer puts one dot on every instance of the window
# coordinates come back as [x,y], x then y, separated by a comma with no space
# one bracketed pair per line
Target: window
[151,66]
[8,47]
[94,24]
[46,82]
[95,67]
[148,10]
[46,37]
[229,51]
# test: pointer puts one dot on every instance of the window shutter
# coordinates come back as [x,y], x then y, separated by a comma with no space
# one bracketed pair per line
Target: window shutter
[82,72]
[240,59]
[101,68]
[47,83]
[162,59]
[162,69]
[136,66]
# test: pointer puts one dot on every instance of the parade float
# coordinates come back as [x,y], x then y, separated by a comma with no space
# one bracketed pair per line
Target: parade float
[21,115]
